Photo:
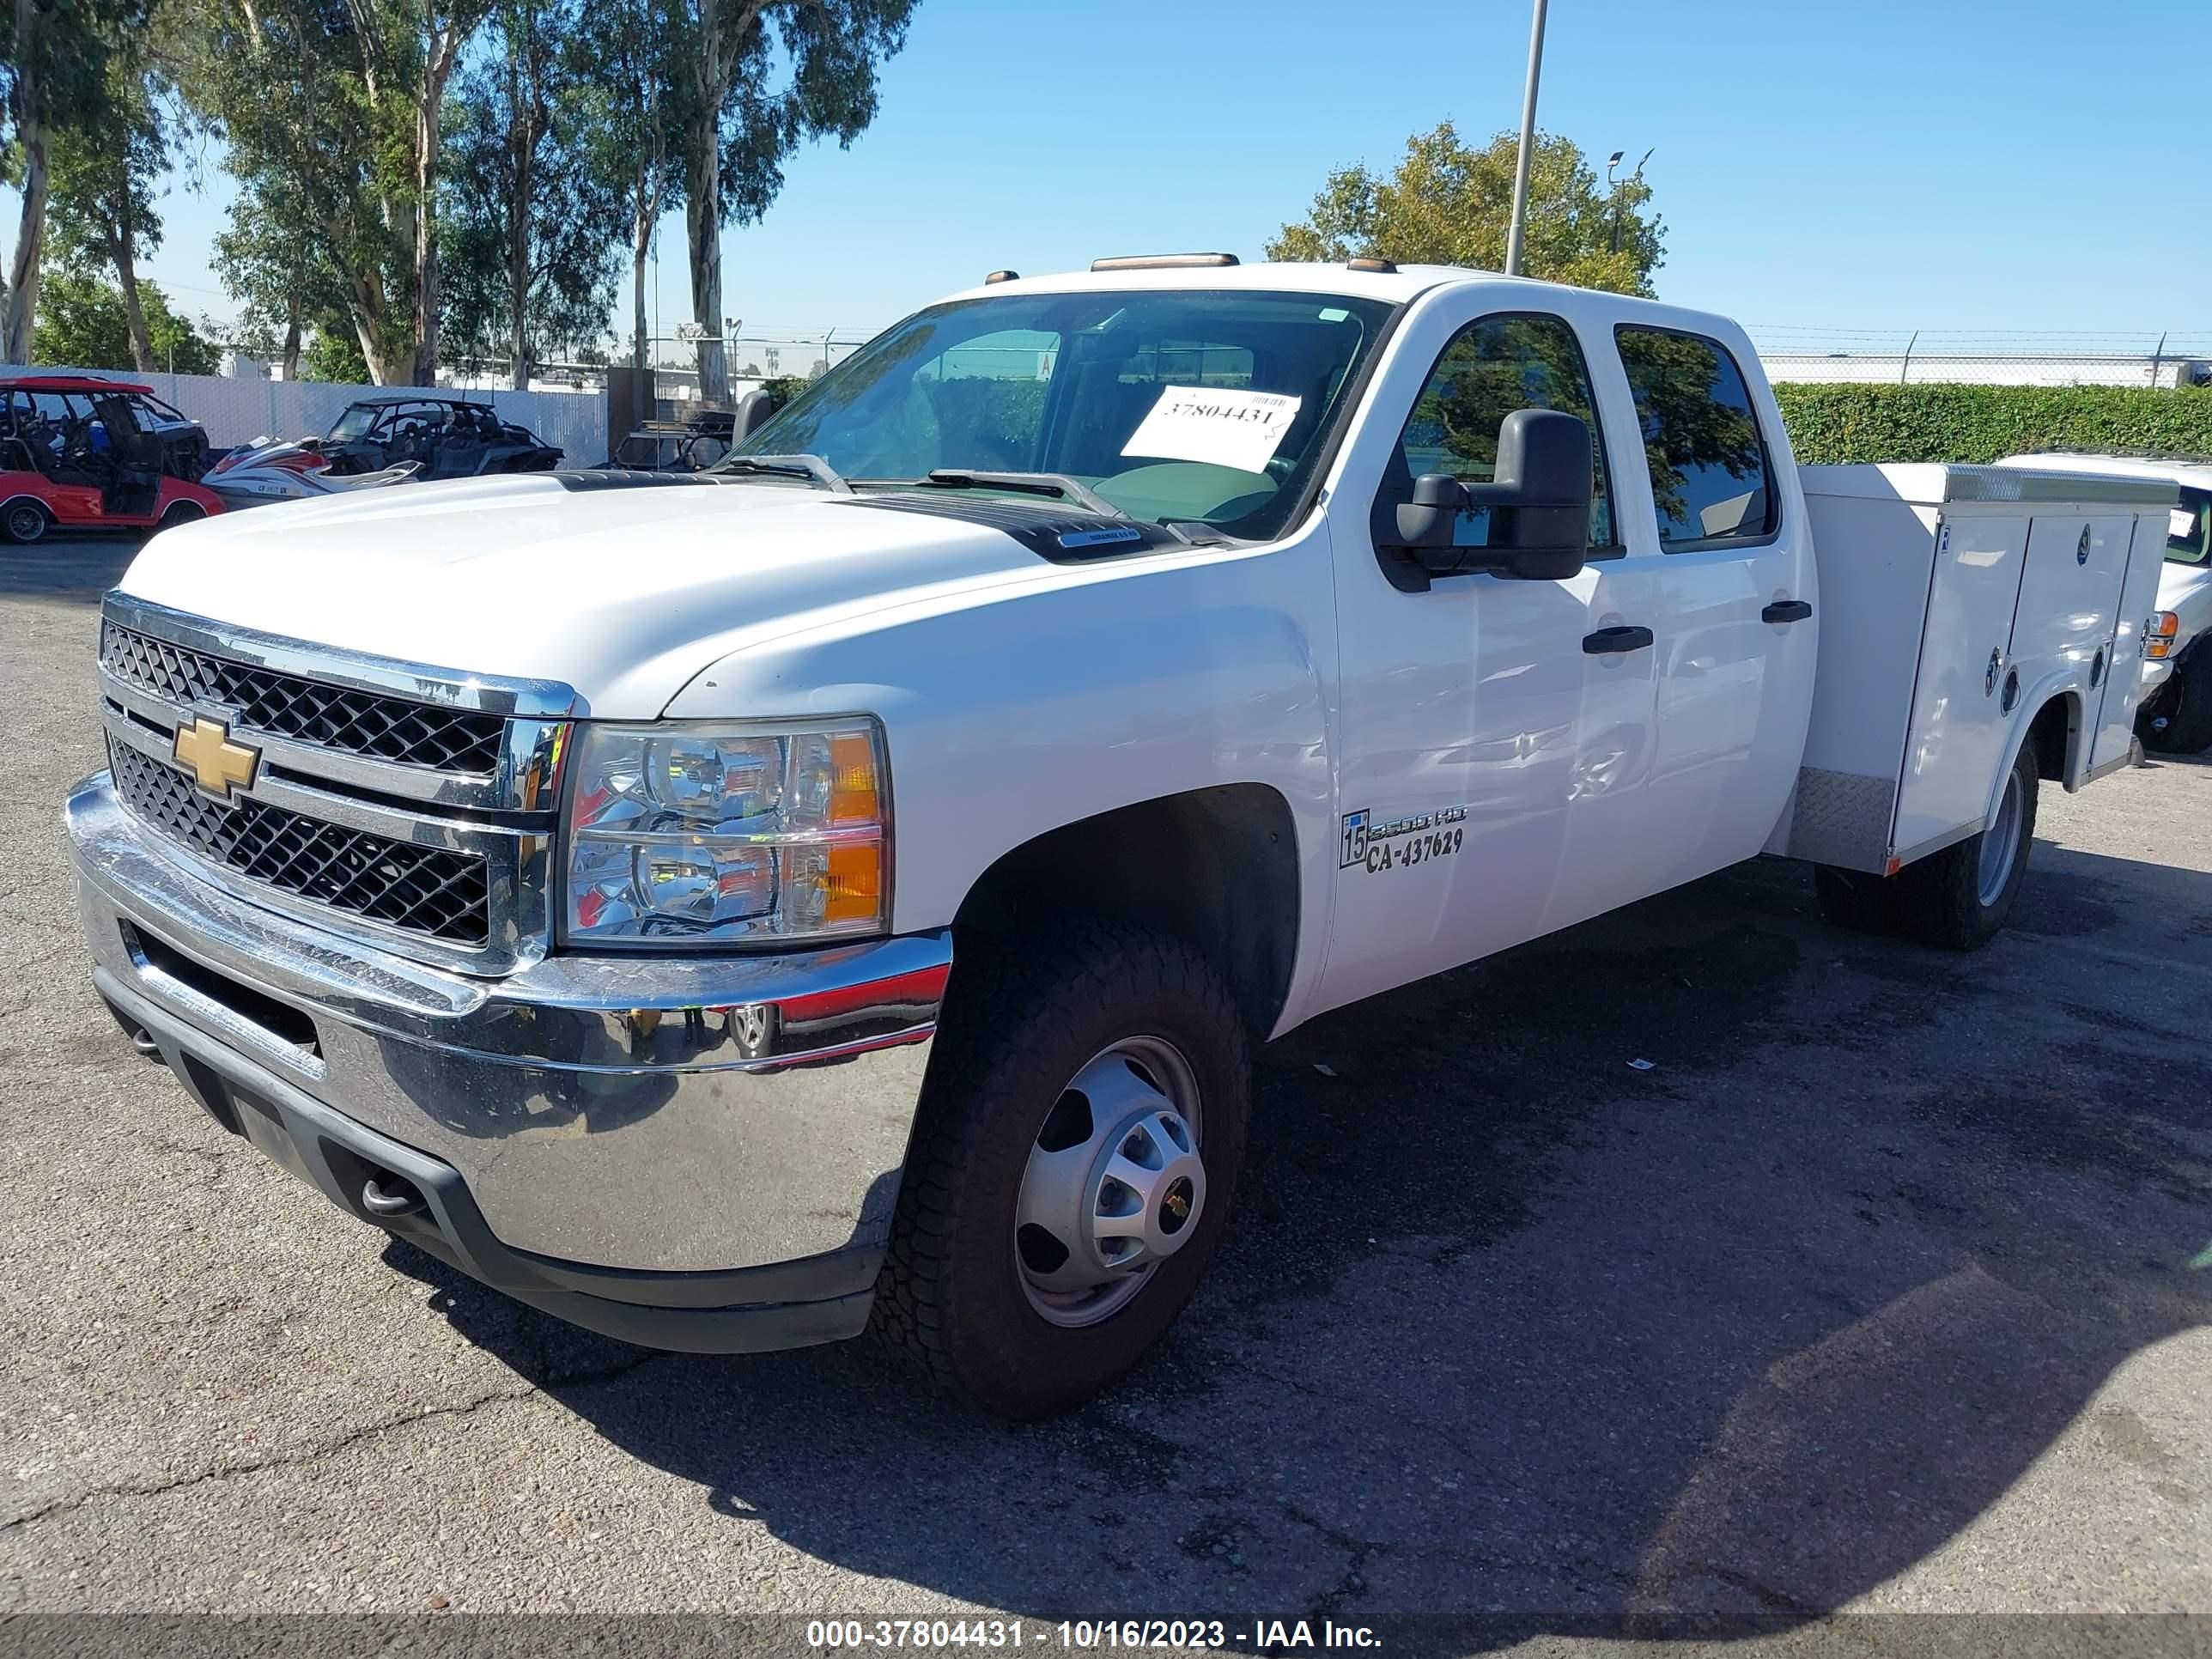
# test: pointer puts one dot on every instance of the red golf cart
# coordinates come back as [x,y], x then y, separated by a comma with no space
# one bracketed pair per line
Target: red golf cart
[74,455]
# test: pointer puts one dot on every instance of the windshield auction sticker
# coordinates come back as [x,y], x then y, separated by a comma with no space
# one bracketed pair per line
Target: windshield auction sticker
[1223,425]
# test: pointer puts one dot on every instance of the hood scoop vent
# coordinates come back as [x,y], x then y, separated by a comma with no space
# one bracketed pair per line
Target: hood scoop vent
[1049,530]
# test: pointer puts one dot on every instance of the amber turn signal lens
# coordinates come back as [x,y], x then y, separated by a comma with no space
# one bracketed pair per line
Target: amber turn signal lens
[2159,637]
[854,885]
[852,790]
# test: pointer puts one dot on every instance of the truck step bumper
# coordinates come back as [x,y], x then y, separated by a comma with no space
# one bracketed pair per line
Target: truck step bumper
[699,1153]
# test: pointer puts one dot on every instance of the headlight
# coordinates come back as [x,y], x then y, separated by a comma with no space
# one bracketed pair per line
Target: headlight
[718,832]
[2160,633]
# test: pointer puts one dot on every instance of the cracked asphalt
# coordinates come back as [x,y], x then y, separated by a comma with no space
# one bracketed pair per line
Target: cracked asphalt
[1886,1288]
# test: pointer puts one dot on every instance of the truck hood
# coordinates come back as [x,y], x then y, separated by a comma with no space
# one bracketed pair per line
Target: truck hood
[624,591]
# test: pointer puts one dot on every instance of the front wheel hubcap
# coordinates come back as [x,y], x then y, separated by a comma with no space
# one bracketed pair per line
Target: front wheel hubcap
[1115,1184]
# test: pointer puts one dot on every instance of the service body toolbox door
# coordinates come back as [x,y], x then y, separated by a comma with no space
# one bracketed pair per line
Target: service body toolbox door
[2122,690]
[1957,730]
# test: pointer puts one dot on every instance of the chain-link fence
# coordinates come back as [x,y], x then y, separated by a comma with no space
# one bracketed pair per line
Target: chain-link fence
[753,360]
[1914,357]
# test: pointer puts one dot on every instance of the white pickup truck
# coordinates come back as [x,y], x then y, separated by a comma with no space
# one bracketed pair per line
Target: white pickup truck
[844,888]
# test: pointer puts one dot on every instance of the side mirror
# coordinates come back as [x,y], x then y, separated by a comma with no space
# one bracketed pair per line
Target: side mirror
[753,410]
[1531,521]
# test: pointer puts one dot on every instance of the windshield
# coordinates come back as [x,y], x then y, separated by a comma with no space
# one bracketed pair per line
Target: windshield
[356,421]
[1173,405]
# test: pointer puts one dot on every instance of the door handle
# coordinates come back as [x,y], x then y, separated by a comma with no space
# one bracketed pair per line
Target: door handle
[1612,642]
[1786,610]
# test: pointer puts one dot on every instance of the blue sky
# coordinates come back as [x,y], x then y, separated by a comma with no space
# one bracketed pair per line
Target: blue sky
[1954,165]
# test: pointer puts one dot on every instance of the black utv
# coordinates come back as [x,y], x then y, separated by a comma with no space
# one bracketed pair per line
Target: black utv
[448,436]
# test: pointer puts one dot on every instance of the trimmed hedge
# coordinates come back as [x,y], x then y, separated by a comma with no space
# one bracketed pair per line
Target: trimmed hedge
[1980,423]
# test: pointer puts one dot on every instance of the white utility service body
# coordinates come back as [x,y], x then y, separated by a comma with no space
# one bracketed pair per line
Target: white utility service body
[1957,602]
[1333,627]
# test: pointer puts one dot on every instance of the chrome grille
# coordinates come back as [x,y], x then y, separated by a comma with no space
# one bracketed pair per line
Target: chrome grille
[437,893]
[354,722]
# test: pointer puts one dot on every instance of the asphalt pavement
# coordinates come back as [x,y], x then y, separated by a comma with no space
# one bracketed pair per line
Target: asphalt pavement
[1884,1288]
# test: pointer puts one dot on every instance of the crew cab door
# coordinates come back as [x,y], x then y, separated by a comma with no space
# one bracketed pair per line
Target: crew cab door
[1717,497]
[1494,731]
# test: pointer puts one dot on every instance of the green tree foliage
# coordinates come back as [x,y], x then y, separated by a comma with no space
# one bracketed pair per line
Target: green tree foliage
[1978,424]
[332,356]
[1446,204]
[532,228]
[275,261]
[285,82]
[339,107]
[104,179]
[83,324]
[765,77]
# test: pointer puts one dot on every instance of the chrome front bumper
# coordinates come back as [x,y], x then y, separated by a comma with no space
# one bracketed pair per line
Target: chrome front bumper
[625,1118]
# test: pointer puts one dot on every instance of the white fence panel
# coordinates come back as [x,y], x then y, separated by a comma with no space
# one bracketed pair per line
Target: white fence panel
[237,411]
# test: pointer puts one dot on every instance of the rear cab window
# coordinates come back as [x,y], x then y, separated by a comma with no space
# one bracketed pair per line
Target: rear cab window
[1711,475]
[2189,531]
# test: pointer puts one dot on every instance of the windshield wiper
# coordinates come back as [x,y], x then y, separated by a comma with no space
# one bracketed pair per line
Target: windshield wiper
[812,468]
[1027,484]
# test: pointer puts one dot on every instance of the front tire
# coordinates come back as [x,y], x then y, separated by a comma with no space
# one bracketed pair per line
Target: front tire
[25,522]
[1074,1159]
[2178,721]
[178,512]
[1959,898]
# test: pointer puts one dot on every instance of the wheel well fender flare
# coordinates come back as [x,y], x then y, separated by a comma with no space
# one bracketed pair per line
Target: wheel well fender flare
[2051,715]
[1218,867]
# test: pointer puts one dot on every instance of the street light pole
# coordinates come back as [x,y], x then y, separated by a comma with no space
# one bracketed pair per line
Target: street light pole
[1528,142]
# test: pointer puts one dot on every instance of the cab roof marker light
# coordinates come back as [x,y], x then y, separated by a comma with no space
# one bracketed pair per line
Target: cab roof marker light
[1381,267]
[1002,276]
[1162,261]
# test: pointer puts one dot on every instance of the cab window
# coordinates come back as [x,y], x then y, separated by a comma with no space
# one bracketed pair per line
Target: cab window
[1491,368]
[1709,465]
[2189,531]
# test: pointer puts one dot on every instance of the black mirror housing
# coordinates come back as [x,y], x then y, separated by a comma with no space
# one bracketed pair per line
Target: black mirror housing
[1532,520]
[752,414]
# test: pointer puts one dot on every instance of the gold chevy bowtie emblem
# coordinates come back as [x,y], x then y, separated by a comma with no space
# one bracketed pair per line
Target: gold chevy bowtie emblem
[219,764]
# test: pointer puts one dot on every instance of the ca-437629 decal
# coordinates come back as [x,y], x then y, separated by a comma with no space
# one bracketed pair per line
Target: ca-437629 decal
[1401,844]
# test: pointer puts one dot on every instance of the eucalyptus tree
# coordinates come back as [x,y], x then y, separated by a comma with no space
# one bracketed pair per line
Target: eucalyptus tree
[532,228]
[765,77]
[53,79]
[104,185]
[275,260]
[635,78]
[337,105]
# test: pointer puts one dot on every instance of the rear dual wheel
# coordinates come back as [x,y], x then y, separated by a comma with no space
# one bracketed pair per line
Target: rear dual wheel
[1073,1158]
[1957,899]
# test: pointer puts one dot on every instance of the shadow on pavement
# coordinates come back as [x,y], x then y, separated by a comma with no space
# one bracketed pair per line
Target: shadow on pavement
[1507,1328]
[66,569]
